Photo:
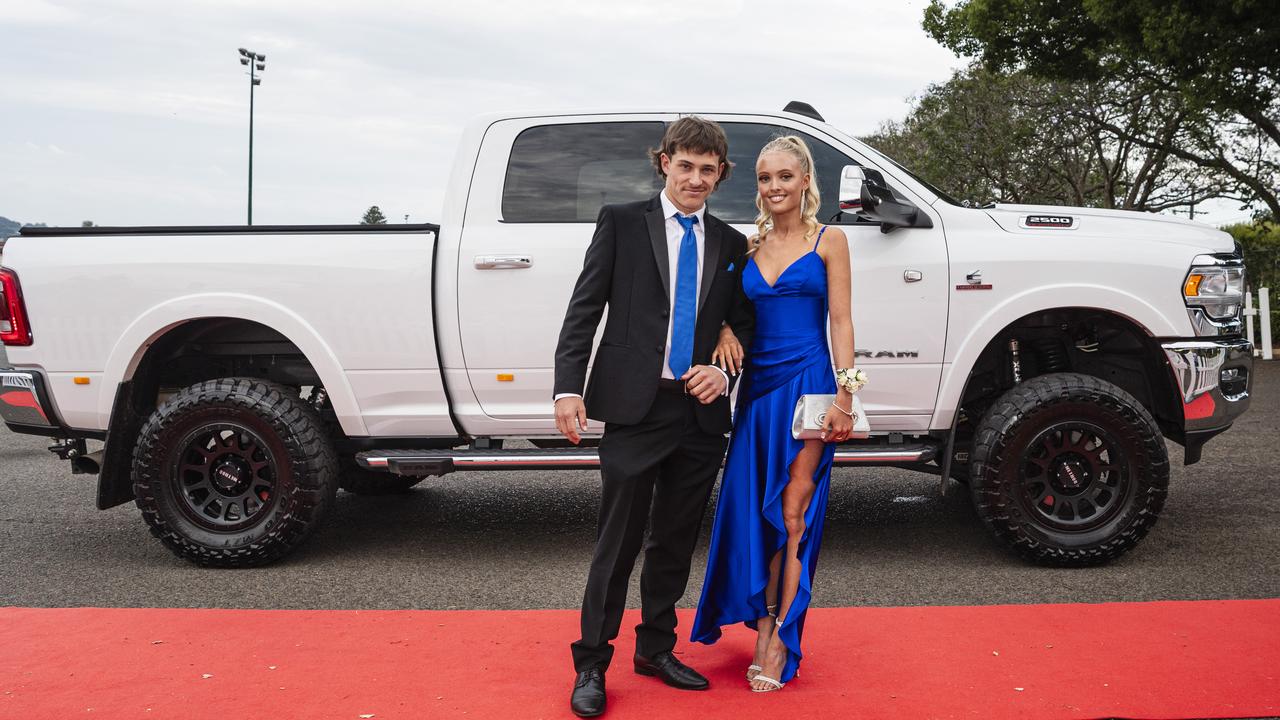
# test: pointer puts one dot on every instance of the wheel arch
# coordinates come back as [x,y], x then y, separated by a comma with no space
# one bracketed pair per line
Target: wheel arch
[1143,320]
[157,332]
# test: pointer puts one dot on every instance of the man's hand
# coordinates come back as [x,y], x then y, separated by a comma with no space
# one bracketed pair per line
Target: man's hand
[704,382]
[571,418]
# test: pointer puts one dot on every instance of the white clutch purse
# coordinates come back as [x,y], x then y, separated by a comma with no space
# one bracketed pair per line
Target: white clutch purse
[811,413]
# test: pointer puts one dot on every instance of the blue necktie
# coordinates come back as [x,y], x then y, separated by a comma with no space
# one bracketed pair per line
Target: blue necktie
[684,312]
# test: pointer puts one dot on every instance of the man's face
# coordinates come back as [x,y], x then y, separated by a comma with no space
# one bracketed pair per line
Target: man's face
[691,177]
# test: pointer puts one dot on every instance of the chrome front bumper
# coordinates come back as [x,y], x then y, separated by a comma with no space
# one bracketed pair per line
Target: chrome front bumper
[1215,378]
[24,404]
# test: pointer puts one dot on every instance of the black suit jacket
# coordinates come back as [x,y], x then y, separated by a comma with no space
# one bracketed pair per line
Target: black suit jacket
[627,269]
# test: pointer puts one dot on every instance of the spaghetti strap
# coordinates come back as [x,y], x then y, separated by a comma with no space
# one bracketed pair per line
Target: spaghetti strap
[815,242]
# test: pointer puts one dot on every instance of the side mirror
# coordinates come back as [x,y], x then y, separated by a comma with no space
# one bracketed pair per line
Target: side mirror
[877,202]
[851,179]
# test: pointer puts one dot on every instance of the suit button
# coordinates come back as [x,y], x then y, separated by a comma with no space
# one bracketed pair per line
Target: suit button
[660,348]
[666,313]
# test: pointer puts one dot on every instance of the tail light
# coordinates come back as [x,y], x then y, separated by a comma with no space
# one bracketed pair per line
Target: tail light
[14,328]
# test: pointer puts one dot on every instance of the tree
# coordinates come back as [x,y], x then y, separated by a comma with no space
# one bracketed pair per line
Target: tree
[1260,241]
[1011,137]
[373,216]
[1220,59]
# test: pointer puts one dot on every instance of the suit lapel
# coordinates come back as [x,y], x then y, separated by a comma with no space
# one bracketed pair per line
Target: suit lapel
[658,238]
[710,257]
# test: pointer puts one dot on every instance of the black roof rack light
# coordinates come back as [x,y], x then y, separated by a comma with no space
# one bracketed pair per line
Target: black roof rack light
[803,108]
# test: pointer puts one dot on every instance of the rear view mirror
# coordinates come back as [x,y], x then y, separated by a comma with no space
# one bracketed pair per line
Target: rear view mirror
[875,201]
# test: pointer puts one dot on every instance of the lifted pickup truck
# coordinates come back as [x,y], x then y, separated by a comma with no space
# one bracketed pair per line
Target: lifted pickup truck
[238,376]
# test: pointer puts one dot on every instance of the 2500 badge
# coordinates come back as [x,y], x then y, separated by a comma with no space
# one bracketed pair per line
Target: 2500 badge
[1048,221]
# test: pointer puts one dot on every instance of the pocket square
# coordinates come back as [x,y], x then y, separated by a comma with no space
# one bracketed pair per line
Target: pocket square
[730,268]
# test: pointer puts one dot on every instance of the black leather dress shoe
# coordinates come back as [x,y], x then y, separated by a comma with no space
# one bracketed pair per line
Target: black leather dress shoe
[588,693]
[673,672]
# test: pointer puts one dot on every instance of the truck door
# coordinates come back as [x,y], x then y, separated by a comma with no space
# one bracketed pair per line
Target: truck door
[899,279]
[536,192]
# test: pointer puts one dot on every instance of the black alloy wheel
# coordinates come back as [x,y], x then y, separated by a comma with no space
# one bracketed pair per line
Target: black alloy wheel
[1068,470]
[1075,476]
[226,476]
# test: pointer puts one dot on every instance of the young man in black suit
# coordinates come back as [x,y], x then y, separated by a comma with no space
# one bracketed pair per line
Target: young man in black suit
[669,273]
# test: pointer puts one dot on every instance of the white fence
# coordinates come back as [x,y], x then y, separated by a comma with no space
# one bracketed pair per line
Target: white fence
[1262,312]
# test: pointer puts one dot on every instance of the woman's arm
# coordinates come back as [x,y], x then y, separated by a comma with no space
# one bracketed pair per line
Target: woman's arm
[835,253]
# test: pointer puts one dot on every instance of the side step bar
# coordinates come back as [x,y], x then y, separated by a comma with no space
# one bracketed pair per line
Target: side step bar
[441,462]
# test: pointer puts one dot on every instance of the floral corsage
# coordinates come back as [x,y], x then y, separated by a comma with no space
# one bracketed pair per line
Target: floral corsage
[851,379]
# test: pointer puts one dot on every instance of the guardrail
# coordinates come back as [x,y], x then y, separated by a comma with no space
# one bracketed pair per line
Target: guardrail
[1262,345]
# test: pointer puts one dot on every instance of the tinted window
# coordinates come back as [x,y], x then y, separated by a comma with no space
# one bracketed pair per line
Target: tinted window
[564,173]
[735,201]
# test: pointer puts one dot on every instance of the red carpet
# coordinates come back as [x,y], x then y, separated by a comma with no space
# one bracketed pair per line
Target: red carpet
[1131,660]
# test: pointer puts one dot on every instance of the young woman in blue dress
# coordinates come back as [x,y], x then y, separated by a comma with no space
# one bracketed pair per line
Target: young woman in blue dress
[768,525]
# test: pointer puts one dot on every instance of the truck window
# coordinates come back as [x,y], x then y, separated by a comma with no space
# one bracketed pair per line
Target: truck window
[735,201]
[564,173]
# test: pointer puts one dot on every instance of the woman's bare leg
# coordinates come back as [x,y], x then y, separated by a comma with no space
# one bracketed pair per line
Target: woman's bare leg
[795,503]
[765,625]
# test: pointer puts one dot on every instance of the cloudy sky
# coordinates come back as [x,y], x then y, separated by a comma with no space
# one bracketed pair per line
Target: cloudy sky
[131,112]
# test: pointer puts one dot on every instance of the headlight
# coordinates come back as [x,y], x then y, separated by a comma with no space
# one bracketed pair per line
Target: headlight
[1218,289]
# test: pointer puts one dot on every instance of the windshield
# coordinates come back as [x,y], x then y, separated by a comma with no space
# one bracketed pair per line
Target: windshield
[932,188]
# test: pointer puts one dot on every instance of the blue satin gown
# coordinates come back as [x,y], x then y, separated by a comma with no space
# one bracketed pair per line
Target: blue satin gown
[789,357]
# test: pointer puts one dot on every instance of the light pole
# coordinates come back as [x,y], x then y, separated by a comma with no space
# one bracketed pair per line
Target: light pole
[256,63]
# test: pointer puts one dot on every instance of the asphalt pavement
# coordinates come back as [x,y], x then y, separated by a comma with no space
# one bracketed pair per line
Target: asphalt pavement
[515,540]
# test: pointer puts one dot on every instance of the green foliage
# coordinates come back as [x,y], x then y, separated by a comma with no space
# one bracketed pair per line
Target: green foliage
[373,216]
[1220,57]
[1260,241]
[1011,137]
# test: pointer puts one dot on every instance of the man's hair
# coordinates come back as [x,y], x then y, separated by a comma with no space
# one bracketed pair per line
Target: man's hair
[696,135]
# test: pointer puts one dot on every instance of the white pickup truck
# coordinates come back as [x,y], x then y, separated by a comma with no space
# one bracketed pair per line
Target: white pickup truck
[238,376]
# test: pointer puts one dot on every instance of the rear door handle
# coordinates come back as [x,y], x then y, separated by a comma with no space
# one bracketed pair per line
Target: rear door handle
[503,262]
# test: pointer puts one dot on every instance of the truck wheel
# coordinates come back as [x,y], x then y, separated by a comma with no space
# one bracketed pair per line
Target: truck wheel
[360,481]
[1068,470]
[234,472]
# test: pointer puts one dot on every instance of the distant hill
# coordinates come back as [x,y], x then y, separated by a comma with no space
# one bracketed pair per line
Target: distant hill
[8,227]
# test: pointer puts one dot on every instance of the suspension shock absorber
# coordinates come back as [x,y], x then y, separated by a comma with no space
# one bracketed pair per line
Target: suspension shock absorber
[1015,361]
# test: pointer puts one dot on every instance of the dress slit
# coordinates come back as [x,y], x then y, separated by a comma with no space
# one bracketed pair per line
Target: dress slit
[788,358]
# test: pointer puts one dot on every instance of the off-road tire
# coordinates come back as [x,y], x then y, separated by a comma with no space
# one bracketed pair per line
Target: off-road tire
[1048,417]
[285,435]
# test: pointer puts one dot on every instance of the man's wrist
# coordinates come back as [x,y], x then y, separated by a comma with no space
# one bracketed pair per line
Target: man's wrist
[726,378]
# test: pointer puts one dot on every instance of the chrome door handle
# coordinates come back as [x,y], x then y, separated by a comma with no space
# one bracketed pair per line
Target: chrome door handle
[912,276]
[503,262]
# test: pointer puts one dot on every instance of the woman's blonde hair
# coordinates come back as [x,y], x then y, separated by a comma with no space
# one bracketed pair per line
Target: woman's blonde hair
[809,202]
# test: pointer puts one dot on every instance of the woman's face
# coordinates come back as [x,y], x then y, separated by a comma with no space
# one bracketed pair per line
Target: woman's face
[780,181]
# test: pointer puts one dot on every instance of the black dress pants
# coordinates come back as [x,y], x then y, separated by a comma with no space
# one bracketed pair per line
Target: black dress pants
[658,472]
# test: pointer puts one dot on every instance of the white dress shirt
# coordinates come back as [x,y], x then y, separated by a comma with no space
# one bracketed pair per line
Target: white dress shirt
[675,235]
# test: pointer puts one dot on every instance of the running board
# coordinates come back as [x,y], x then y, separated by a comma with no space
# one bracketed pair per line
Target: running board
[441,462]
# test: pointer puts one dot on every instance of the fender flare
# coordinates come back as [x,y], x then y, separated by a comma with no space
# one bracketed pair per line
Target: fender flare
[1038,300]
[153,324]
